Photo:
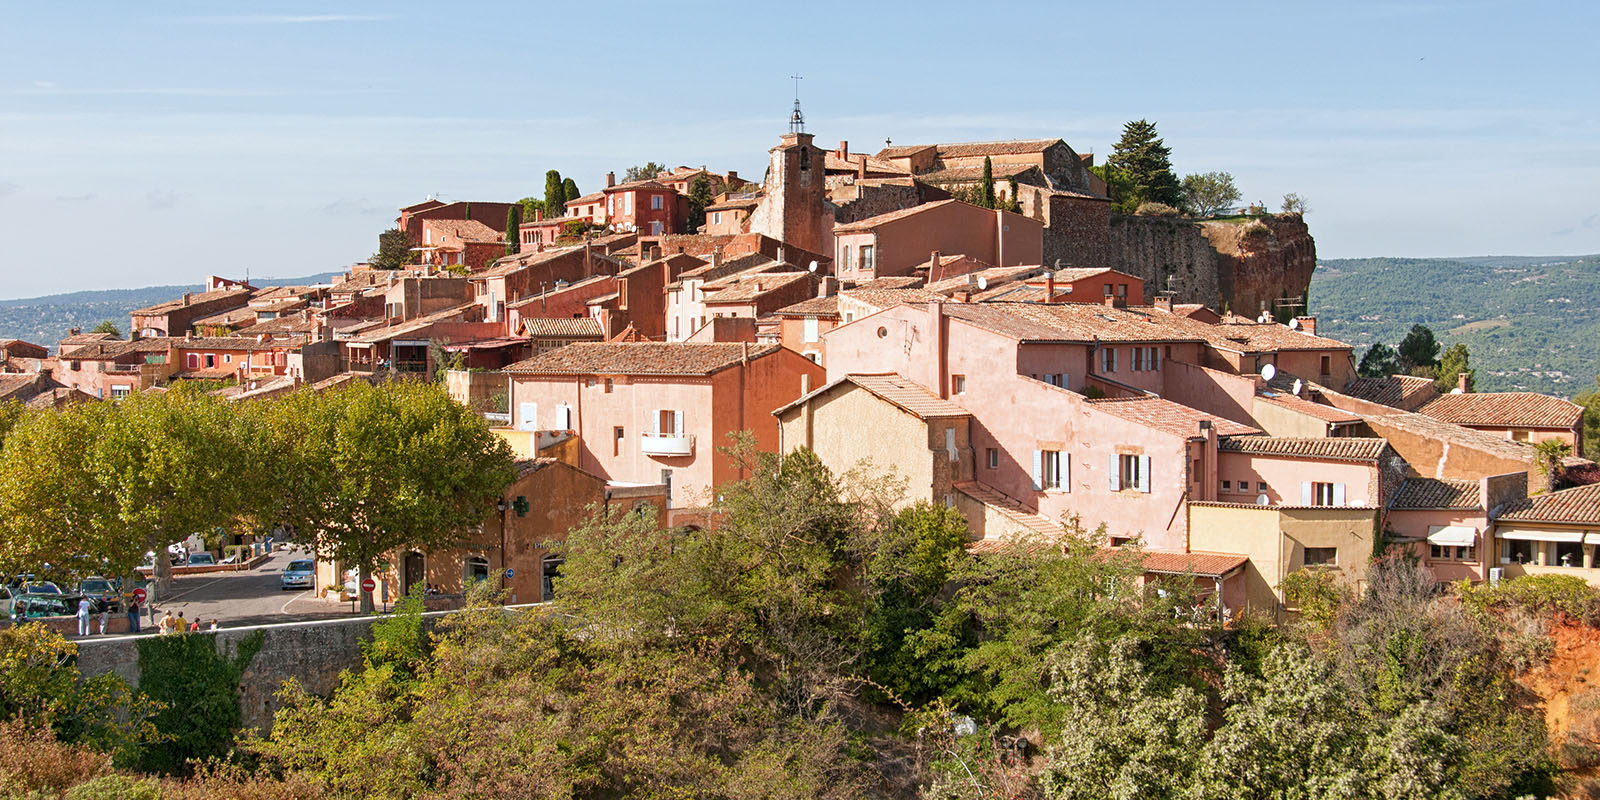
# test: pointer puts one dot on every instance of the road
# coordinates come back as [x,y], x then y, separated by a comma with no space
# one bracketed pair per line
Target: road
[253,597]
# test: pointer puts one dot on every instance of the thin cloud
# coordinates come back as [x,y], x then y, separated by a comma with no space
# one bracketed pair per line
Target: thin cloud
[161,200]
[290,19]
[352,207]
[74,198]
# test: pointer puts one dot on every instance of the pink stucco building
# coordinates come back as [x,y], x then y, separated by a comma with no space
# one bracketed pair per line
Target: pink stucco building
[897,242]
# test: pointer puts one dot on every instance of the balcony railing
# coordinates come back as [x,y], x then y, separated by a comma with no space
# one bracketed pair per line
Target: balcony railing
[667,445]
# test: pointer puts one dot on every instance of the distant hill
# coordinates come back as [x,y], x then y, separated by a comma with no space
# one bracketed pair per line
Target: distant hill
[1529,322]
[45,320]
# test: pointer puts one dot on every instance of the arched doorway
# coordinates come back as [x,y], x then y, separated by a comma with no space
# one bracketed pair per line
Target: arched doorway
[473,570]
[412,572]
[552,569]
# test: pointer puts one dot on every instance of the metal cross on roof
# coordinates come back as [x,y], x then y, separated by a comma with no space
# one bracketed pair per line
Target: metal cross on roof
[797,120]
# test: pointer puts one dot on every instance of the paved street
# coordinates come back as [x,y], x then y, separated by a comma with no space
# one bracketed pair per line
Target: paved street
[246,598]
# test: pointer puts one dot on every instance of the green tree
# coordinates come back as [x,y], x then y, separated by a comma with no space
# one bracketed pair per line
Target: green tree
[513,229]
[107,326]
[372,469]
[1295,204]
[986,185]
[555,195]
[394,250]
[1148,162]
[643,172]
[198,689]
[569,188]
[1590,401]
[1452,364]
[1119,187]
[1419,348]
[1206,193]
[700,196]
[530,205]
[1014,204]
[1380,361]
[10,413]
[912,559]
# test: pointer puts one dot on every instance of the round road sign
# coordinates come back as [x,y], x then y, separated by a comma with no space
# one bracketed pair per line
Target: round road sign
[511,573]
[139,595]
[368,585]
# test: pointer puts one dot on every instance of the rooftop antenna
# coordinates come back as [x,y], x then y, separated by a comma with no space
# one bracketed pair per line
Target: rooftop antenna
[797,120]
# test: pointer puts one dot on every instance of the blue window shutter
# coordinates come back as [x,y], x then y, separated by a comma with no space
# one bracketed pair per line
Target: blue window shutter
[1305,493]
[1338,494]
[1144,473]
[1038,470]
[1115,472]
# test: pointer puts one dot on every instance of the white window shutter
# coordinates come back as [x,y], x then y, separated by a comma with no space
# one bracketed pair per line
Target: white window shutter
[1115,472]
[1038,470]
[1066,471]
[677,423]
[655,422]
[1338,494]
[530,417]
[563,417]
[1063,383]
[1144,473]
[1305,493]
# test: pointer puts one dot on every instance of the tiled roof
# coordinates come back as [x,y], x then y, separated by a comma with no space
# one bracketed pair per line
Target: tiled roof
[1404,392]
[235,343]
[106,351]
[640,358]
[237,293]
[384,334]
[889,298]
[230,318]
[893,216]
[734,203]
[592,197]
[993,276]
[712,271]
[295,323]
[1505,409]
[1083,322]
[1579,505]
[647,183]
[1431,493]
[902,150]
[1304,406]
[895,390]
[1169,417]
[966,174]
[367,279]
[86,338]
[1205,564]
[755,286]
[815,307]
[12,383]
[1439,430]
[467,230]
[556,327]
[874,164]
[1008,508]
[999,148]
[1340,448]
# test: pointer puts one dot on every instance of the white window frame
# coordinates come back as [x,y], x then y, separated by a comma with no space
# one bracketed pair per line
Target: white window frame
[1129,472]
[1052,471]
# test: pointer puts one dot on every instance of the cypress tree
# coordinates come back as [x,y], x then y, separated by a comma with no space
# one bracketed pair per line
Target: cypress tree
[1148,162]
[555,195]
[570,187]
[986,188]
[513,222]
[466,211]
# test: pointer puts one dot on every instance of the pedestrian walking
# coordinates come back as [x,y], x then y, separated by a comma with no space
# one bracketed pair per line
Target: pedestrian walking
[215,624]
[83,616]
[166,624]
[194,627]
[105,618]
[180,624]
[133,616]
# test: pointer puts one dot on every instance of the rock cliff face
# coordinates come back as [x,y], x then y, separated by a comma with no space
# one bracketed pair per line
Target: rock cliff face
[1219,264]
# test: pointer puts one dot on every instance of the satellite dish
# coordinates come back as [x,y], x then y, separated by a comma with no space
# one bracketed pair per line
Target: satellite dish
[813,266]
[1299,385]
[1294,324]
[1263,318]
[1268,372]
[983,282]
[1263,500]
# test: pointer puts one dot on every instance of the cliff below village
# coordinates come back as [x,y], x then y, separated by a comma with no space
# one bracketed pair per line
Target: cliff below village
[1238,265]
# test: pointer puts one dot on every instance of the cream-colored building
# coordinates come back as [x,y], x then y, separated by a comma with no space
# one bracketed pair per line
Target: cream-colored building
[1281,539]
[1550,534]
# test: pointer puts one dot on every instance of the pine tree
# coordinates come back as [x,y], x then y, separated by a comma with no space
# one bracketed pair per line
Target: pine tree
[513,223]
[986,188]
[1148,161]
[555,195]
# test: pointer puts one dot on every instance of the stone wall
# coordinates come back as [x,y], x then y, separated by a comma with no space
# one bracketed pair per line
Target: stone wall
[313,653]
[1156,248]
[1214,262]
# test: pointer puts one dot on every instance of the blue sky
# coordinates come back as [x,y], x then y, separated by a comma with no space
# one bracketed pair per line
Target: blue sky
[157,142]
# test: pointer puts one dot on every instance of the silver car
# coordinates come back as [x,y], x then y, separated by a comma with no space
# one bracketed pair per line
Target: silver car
[300,574]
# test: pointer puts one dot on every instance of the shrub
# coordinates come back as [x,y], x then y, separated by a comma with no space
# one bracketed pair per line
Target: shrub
[1538,594]
[33,762]
[1314,593]
[1255,228]
[1154,209]
[116,787]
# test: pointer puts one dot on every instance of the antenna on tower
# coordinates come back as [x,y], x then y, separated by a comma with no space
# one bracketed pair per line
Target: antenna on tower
[797,120]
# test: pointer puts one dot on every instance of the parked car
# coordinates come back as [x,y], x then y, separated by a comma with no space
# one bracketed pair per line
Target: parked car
[300,574]
[42,588]
[102,592]
[46,605]
[202,560]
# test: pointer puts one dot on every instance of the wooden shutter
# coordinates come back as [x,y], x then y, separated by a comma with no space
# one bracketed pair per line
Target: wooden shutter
[1338,494]
[1115,471]
[530,417]
[655,422]
[1306,498]
[677,423]
[1038,470]
[1065,463]
[1144,473]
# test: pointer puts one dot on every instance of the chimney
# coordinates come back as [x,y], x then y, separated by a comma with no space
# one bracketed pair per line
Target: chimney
[655,252]
[861,169]
[611,179]
[732,176]
[538,215]
[780,255]
[1050,286]
[1308,325]
[933,266]
[1464,382]
[1163,302]
[1111,300]
[74,331]
[716,257]
[963,296]
[186,298]
[844,150]
[828,286]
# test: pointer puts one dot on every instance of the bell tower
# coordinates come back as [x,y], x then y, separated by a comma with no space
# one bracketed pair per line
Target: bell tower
[793,205]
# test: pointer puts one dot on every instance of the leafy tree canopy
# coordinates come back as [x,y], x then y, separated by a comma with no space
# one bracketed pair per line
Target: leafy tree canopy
[1453,363]
[1204,194]
[1380,361]
[645,171]
[1419,348]
[394,250]
[107,326]
[1147,160]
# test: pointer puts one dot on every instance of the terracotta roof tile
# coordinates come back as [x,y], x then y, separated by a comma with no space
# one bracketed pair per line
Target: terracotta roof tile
[556,327]
[1339,448]
[1579,505]
[1505,409]
[232,293]
[1440,430]
[754,286]
[893,216]
[889,298]
[815,307]
[1164,415]
[993,276]
[1404,392]
[996,148]
[1193,563]
[1434,493]
[1325,413]
[467,230]
[966,174]
[910,397]
[640,358]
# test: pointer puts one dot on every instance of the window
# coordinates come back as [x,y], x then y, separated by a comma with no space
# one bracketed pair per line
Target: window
[1518,551]
[1119,541]
[563,417]
[1108,359]
[994,458]
[716,218]
[811,332]
[666,481]
[1445,552]
[1152,361]
[1321,494]
[1519,436]
[655,227]
[1122,290]
[1322,557]
[1055,379]
[1130,473]
[474,569]
[958,384]
[119,392]
[669,423]
[1227,486]
[1050,470]
[1568,554]
[867,252]
[227,358]
[1327,365]
[1109,289]
[211,360]
[528,414]
[617,435]
[552,570]
[608,386]
[655,202]
[1138,359]
[844,255]
[193,361]
[1261,486]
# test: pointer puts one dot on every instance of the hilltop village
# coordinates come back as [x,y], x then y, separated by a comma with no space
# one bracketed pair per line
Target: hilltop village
[1014,363]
